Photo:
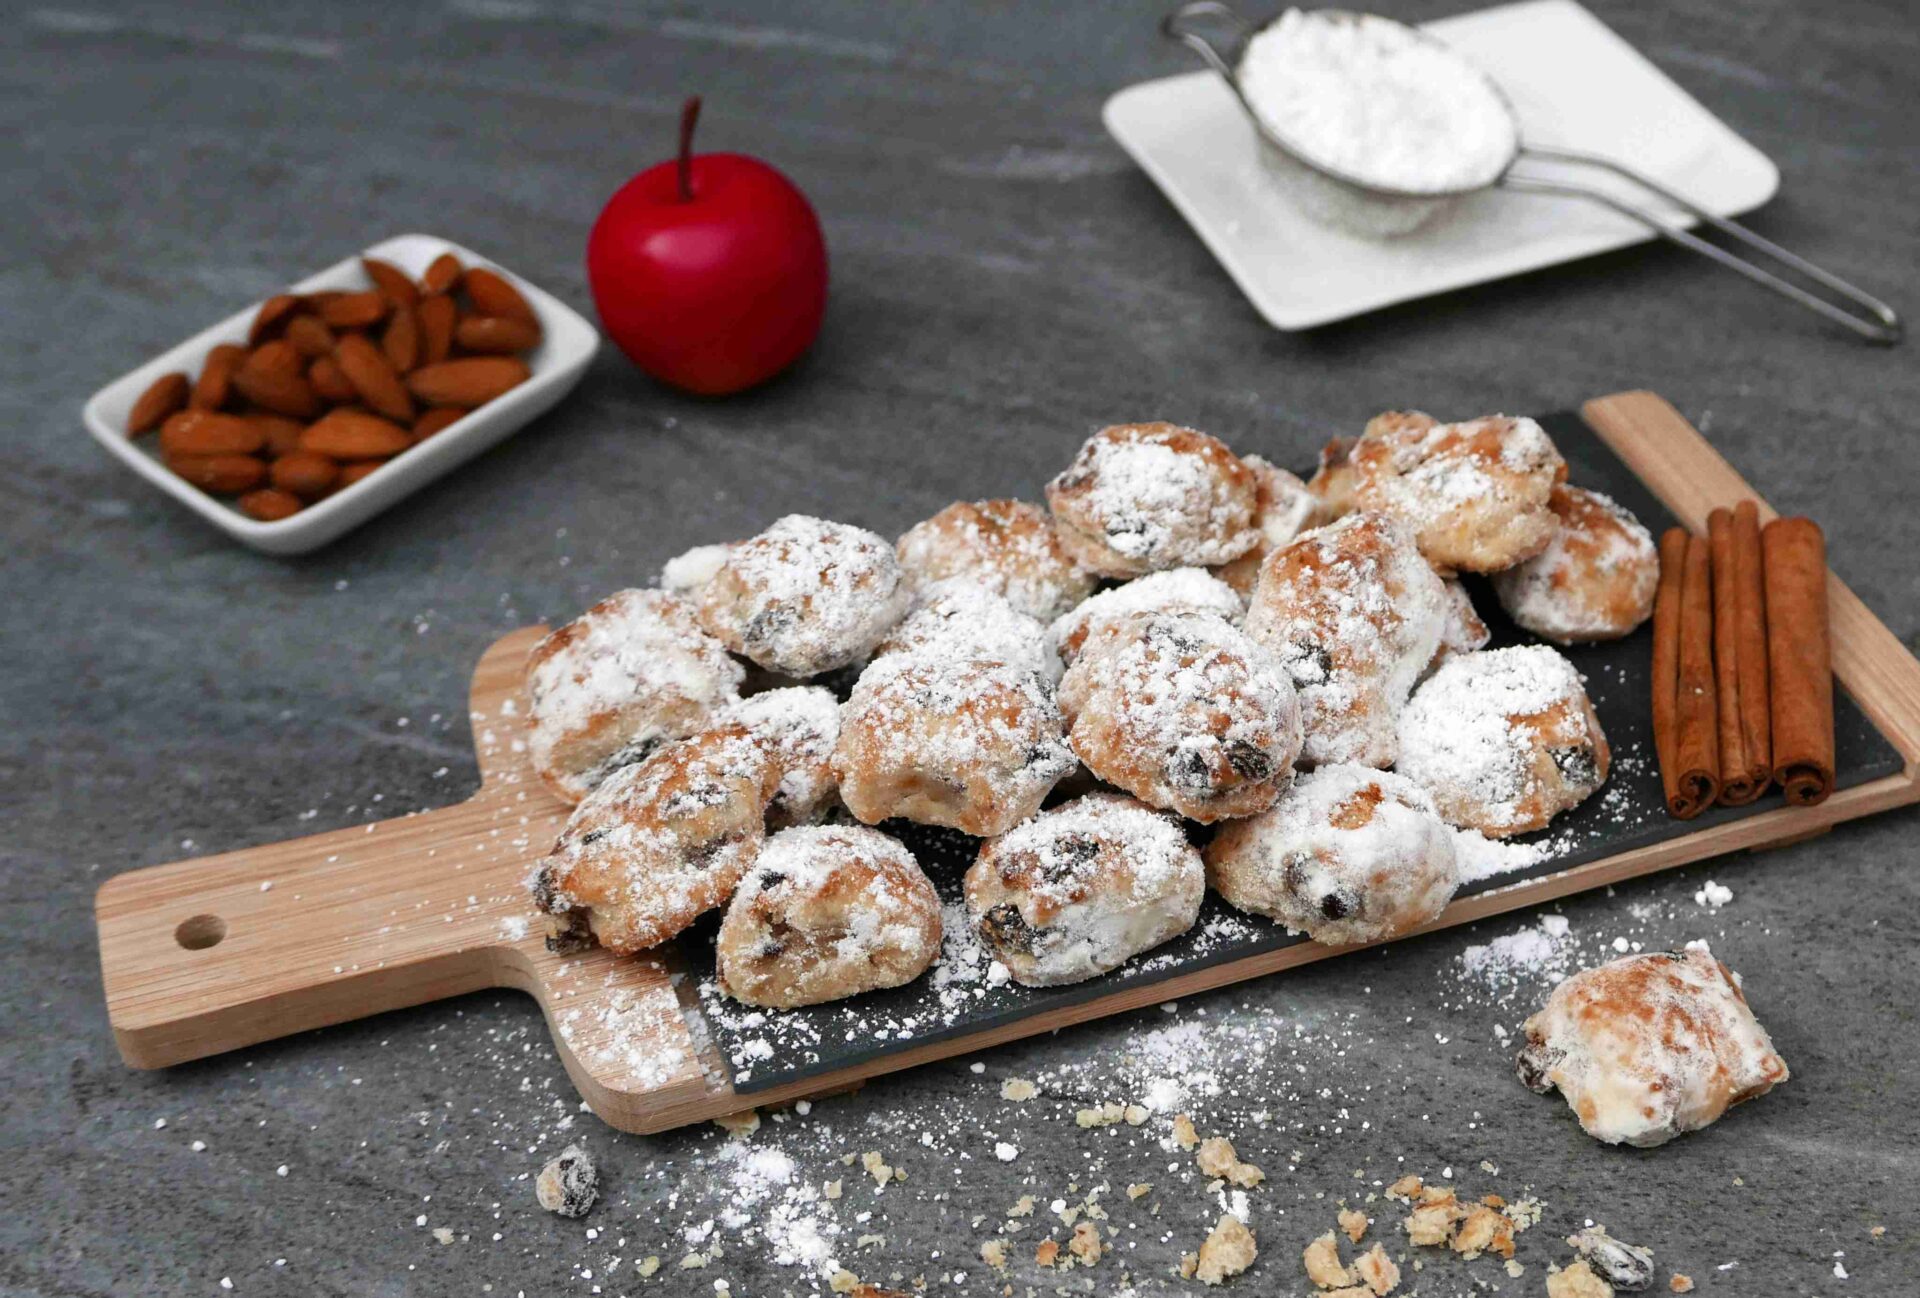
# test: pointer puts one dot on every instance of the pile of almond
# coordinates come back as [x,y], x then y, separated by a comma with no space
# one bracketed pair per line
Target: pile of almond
[330,386]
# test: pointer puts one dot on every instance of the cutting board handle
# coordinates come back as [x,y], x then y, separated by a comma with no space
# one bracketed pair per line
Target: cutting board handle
[208,955]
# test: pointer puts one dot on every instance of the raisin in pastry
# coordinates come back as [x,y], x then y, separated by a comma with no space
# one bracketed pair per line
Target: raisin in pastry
[1082,889]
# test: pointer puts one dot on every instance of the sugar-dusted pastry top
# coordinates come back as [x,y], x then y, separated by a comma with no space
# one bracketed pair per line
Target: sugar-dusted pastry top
[972,745]
[1177,590]
[1474,493]
[1139,498]
[1083,888]
[1185,712]
[827,911]
[1650,1046]
[1354,614]
[631,673]
[1594,581]
[1008,546]
[801,725]
[958,619]
[1347,854]
[1504,739]
[805,596]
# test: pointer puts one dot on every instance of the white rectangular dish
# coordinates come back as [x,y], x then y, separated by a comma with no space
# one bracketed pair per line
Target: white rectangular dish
[1573,83]
[567,346]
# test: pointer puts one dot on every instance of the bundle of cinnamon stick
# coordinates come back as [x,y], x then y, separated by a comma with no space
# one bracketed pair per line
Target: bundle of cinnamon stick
[1742,676]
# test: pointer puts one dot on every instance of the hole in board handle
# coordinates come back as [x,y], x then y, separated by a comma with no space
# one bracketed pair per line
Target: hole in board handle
[200,932]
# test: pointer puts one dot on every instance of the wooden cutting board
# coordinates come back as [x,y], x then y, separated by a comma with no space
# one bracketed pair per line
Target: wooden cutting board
[207,955]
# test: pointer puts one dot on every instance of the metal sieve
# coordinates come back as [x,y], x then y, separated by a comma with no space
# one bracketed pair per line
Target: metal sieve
[1336,195]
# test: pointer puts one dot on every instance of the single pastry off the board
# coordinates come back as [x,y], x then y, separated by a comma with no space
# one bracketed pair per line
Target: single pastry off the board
[1649,1047]
[827,912]
[1083,888]
[1348,854]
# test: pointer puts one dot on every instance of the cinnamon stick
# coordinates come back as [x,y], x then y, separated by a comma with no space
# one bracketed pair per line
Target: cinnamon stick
[1740,783]
[1696,751]
[1799,658]
[1666,654]
[1750,607]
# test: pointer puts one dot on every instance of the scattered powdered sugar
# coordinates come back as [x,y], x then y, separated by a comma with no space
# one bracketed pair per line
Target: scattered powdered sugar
[1377,101]
[1481,858]
[1541,950]
[1713,895]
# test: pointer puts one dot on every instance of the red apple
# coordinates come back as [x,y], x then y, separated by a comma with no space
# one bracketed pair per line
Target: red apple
[709,272]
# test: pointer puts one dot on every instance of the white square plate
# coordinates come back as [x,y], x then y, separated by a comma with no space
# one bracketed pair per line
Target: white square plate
[567,345]
[1573,83]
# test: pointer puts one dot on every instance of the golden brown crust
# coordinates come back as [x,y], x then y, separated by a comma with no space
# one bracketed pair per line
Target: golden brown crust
[1595,580]
[1009,546]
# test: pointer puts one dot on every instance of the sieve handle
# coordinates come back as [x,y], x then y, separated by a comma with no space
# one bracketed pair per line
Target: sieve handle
[1182,25]
[1874,320]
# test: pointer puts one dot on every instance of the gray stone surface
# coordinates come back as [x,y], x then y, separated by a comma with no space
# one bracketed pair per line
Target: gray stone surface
[1003,281]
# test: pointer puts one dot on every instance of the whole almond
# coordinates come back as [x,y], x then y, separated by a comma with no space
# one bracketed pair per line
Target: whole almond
[390,281]
[330,381]
[215,384]
[472,381]
[269,505]
[208,432]
[436,315]
[496,335]
[273,376]
[310,336]
[272,314]
[373,377]
[443,276]
[305,474]
[354,435]
[354,310]
[163,397]
[434,420]
[282,433]
[352,473]
[401,342]
[493,295]
[223,475]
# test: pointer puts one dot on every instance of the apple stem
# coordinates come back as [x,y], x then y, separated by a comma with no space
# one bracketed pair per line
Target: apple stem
[689,115]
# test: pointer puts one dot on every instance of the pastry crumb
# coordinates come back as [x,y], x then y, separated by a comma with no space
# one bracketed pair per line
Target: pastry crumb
[568,1184]
[1354,1223]
[1218,1159]
[649,1265]
[1018,1089]
[1228,1251]
[1377,1270]
[1047,1253]
[739,1125]
[1405,1188]
[1184,1134]
[994,1253]
[1324,1267]
[1577,1281]
[1139,1190]
[1085,1243]
[1681,1283]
